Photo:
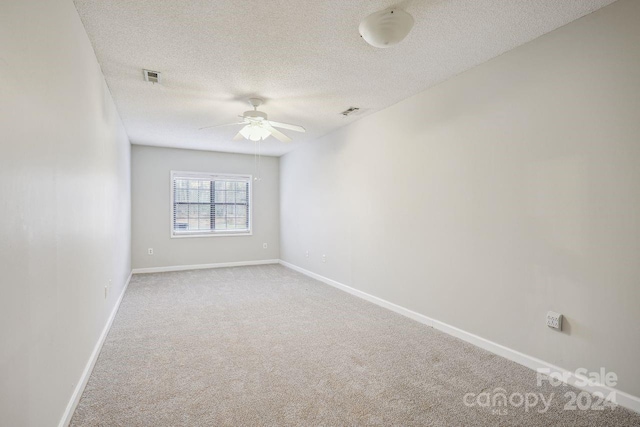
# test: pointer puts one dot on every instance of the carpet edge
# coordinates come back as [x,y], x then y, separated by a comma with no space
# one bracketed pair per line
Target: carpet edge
[86,373]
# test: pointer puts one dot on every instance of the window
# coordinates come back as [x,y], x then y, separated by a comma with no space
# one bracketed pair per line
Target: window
[204,204]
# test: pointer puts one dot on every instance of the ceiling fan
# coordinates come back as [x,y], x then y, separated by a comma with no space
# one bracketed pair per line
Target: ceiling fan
[257,127]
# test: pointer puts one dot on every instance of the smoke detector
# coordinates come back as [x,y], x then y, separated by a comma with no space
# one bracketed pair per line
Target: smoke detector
[151,76]
[386,28]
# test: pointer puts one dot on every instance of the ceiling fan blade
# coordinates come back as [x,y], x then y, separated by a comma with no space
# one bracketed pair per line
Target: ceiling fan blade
[227,124]
[287,126]
[238,136]
[277,134]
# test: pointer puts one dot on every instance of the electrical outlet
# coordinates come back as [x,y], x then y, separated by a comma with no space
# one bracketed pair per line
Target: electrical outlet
[554,320]
[150,251]
[324,258]
[306,254]
[265,246]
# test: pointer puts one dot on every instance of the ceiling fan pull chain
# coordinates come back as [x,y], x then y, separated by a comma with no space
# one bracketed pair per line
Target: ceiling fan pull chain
[256,160]
[259,159]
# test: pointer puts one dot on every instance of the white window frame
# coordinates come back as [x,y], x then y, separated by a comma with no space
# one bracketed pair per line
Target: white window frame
[212,233]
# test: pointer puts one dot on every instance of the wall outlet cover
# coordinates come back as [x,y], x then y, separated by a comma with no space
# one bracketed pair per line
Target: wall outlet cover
[554,320]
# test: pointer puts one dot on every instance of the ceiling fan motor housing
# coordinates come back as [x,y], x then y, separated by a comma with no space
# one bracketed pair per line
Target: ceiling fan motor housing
[255,115]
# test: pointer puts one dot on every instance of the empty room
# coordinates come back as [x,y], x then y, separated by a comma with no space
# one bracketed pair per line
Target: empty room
[328,213]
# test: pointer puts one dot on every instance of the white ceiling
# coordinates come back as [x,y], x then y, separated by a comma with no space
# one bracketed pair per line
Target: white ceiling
[305,58]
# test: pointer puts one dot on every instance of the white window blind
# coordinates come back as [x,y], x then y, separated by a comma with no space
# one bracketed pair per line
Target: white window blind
[210,204]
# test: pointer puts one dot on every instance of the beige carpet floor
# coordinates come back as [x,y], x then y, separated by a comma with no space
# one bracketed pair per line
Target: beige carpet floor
[267,346]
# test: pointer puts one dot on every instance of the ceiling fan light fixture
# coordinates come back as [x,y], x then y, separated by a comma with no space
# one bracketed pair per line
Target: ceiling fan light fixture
[245,132]
[254,132]
[386,28]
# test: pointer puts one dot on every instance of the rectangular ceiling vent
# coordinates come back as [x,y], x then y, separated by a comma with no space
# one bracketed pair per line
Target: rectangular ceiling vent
[350,110]
[151,76]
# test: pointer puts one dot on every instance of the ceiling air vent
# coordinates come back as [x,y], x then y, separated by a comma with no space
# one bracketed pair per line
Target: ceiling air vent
[151,76]
[350,110]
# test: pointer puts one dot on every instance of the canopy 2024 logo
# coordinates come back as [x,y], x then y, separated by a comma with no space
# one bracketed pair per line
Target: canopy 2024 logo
[499,401]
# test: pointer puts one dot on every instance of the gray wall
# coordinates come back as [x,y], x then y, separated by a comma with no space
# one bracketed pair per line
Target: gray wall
[151,202]
[500,194]
[65,191]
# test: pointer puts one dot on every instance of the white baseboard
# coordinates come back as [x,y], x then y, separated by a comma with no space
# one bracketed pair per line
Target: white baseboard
[82,383]
[203,266]
[621,398]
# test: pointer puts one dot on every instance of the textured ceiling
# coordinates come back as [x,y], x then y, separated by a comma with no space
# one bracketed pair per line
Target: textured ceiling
[306,59]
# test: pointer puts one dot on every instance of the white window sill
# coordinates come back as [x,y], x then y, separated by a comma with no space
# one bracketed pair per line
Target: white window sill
[220,234]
